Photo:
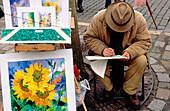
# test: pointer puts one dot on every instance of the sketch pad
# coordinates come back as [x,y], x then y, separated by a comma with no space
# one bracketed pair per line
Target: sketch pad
[44,35]
[104,58]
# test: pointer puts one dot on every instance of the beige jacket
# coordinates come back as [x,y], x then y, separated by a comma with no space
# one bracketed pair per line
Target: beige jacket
[136,41]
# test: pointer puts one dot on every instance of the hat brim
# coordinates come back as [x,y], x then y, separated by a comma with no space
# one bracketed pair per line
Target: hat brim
[115,27]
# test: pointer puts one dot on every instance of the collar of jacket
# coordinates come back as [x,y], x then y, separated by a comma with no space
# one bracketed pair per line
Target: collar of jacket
[107,35]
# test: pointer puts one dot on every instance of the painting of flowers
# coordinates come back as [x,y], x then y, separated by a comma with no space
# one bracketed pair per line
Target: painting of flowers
[38,85]
[61,10]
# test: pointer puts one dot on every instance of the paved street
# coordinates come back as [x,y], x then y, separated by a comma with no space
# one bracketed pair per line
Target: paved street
[159,52]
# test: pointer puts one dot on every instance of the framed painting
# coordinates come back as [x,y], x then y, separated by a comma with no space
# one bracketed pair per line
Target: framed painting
[36,17]
[10,10]
[62,11]
[38,81]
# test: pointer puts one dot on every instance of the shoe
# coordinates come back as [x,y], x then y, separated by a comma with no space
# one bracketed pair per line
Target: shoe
[133,100]
[80,9]
[107,95]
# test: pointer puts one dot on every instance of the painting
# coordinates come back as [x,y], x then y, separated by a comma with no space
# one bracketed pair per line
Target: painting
[39,16]
[10,9]
[62,11]
[45,19]
[28,20]
[13,5]
[38,81]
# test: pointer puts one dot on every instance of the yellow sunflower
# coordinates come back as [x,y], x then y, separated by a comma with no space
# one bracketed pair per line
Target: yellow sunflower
[48,3]
[20,87]
[38,74]
[43,95]
[57,7]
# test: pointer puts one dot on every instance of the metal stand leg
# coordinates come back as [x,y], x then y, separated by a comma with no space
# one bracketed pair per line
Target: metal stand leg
[143,93]
[95,87]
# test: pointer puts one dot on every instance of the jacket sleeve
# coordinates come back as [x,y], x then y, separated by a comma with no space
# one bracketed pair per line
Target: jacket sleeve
[142,41]
[92,37]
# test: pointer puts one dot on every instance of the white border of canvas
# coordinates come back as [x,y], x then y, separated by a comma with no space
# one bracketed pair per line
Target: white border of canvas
[64,15]
[36,10]
[65,53]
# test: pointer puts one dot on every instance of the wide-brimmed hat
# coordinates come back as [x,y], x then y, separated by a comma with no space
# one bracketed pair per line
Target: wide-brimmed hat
[120,16]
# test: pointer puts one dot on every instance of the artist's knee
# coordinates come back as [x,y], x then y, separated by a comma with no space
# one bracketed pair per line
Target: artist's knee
[140,61]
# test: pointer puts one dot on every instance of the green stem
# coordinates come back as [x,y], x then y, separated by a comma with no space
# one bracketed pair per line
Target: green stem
[15,99]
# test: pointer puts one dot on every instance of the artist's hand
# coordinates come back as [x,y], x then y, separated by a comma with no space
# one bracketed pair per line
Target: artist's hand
[126,54]
[108,52]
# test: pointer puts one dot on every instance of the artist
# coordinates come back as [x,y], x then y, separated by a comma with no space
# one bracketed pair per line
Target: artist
[119,30]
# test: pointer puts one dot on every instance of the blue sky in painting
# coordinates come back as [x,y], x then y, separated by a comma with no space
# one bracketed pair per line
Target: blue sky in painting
[21,65]
[25,2]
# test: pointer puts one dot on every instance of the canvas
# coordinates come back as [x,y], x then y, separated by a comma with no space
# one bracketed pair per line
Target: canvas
[38,81]
[10,10]
[62,11]
[36,17]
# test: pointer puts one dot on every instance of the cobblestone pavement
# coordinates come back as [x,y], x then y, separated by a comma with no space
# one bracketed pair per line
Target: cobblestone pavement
[159,52]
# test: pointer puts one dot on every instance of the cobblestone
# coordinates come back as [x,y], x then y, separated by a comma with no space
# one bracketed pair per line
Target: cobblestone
[152,60]
[167,48]
[155,55]
[158,68]
[164,85]
[163,94]
[166,64]
[156,105]
[166,55]
[163,77]
[159,44]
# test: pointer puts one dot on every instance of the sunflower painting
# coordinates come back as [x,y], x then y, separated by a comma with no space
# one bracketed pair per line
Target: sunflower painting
[61,10]
[38,85]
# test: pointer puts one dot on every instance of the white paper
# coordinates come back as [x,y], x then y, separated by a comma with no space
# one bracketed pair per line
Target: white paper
[104,58]
[99,67]
[45,15]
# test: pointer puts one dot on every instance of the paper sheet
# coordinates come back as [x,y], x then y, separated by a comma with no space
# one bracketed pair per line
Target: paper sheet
[104,58]
[99,67]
